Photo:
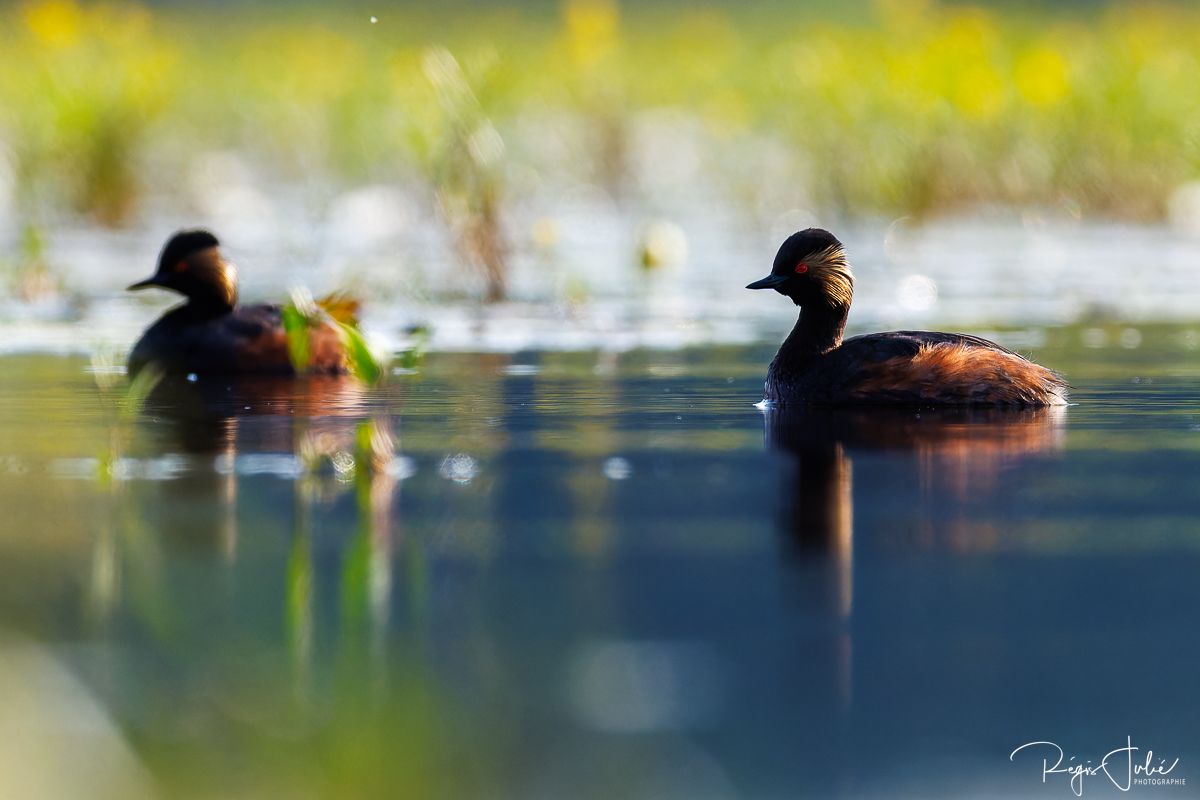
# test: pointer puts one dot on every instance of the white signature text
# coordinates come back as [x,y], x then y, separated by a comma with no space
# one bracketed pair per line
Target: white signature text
[1120,766]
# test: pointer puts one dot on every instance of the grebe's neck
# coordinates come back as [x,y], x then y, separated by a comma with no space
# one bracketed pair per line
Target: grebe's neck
[205,308]
[209,282]
[818,330]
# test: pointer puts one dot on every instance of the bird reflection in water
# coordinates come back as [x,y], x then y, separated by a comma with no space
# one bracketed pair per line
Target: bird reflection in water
[205,414]
[260,425]
[946,463]
[328,435]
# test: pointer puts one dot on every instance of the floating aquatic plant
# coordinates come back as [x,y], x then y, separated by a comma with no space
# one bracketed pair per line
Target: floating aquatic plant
[302,314]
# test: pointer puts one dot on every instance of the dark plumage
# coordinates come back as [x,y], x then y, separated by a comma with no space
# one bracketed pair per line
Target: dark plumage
[211,333]
[814,365]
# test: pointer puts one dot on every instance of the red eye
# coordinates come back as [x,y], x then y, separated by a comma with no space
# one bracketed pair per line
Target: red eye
[181,266]
[801,268]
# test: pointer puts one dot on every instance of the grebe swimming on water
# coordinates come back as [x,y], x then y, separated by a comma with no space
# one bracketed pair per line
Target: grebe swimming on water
[815,366]
[211,333]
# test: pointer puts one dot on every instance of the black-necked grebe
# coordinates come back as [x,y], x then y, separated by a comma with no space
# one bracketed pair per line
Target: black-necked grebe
[211,333]
[815,366]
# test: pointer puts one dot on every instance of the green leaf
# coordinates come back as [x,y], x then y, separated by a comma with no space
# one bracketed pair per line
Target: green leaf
[295,325]
[363,364]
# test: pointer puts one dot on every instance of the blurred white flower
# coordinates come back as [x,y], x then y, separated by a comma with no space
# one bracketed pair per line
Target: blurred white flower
[1183,208]
[662,244]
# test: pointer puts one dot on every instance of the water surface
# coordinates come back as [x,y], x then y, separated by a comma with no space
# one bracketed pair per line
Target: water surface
[596,575]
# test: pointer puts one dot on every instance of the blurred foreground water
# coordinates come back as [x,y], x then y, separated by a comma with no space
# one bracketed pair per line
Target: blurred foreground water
[595,574]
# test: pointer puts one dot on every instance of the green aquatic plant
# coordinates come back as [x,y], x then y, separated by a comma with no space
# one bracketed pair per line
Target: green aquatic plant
[94,81]
[412,355]
[126,558]
[333,462]
[302,314]
[298,614]
[367,567]
[121,402]
[593,56]
[30,275]
[463,156]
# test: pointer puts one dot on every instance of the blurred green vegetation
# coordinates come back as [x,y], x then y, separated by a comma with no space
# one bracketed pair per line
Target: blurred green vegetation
[910,107]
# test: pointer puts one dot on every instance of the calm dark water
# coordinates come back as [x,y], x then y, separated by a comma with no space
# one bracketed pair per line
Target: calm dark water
[587,575]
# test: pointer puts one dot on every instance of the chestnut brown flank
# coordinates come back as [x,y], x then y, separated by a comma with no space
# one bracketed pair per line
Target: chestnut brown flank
[956,373]
[268,352]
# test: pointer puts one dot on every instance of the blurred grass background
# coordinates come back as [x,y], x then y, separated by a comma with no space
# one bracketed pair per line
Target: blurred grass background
[890,107]
[485,116]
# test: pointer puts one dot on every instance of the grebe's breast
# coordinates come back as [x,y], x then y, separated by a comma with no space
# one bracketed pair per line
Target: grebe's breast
[917,368]
[249,339]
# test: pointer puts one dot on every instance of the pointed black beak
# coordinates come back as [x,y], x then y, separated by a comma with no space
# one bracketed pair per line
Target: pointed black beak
[153,280]
[769,282]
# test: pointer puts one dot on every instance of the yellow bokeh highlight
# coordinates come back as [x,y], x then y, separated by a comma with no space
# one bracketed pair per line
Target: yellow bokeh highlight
[591,29]
[1042,76]
[55,23]
[971,31]
[979,92]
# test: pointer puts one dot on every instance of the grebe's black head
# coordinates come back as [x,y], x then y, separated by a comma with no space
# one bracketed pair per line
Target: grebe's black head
[191,263]
[811,267]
